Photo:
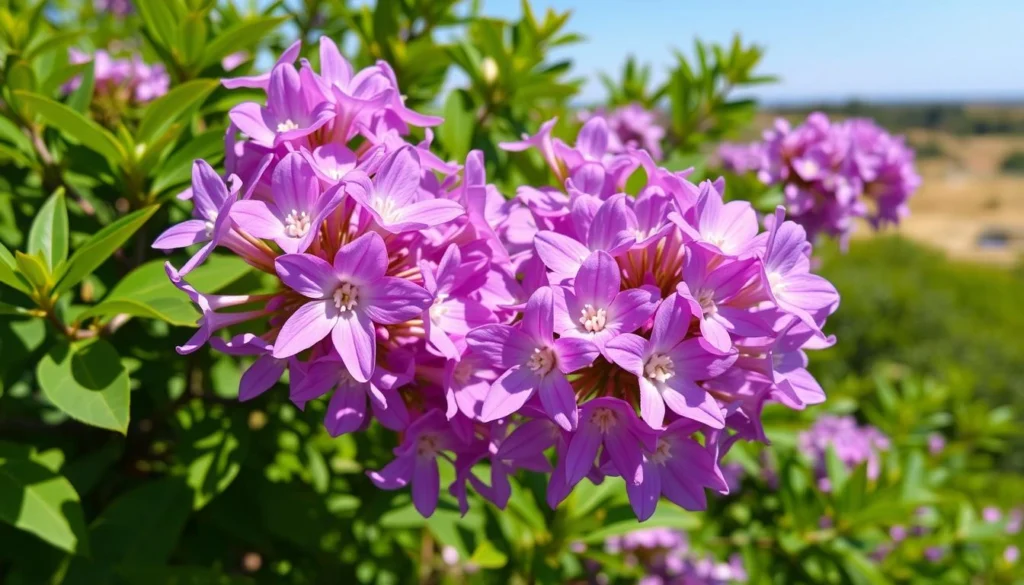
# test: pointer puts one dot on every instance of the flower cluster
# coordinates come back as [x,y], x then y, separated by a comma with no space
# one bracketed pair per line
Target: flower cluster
[665,558]
[121,81]
[831,173]
[632,126]
[851,443]
[487,331]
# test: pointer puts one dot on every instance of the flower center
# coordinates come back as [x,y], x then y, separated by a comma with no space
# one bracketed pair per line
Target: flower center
[210,224]
[604,419]
[776,282]
[386,208]
[297,224]
[662,453]
[287,125]
[335,173]
[438,310]
[659,367]
[346,297]
[428,445]
[593,320]
[706,299]
[542,360]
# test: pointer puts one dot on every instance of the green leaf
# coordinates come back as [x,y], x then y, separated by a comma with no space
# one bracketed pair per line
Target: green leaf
[88,382]
[48,236]
[147,292]
[100,247]
[837,471]
[38,500]
[177,169]
[159,19]
[457,131]
[80,98]
[34,271]
[9,309]
[9,272]
[212,447]
[164,112]
[192,37]
[141,527]
[71,123]
[487,557]
[238,37]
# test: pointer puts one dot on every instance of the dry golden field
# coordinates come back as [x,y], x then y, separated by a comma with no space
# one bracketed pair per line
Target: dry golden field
[965,198]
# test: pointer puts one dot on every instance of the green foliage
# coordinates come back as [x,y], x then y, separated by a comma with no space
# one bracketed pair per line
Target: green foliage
[125,462]
[1013,163]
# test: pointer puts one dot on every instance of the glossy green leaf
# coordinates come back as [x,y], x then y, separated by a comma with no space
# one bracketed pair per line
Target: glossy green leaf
[48,235]
[486,556]
[176,575]
[177,169]
[80,99]
[212,446]
[75,125]
[34,271]
[159,18]
[88,382]
[457,131]
[100,247]
[35,499]
[164,112]
[148,292]
[9,272]
[238,37]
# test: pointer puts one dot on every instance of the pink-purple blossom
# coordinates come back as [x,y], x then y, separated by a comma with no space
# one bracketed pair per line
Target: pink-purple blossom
[852,443]
[831,173]
[121,81]
[571,330]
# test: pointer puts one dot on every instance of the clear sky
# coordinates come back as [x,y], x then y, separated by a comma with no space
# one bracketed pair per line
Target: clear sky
[823,49]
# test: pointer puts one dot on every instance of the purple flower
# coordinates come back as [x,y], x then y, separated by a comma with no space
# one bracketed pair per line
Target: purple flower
[596,309]
[533,361]
[610,423]
[669,366]
[293,218]
[394,197]
[415,461]
[347,299]
[291,111]
[346,412]
[852,444]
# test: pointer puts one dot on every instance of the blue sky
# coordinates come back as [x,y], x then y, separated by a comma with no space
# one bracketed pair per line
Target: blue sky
[824,49]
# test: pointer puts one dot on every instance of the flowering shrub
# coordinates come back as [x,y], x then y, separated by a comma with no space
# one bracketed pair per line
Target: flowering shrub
[832,173]
[254,317]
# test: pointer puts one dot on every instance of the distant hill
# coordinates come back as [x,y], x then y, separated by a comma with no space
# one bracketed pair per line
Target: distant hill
[963,119]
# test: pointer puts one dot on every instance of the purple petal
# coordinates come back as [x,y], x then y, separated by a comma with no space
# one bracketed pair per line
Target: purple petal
[363,260]
[388,408]
[355,341]
[686,398]
[532,437]
[614,227]
[346,411]
[679,487]
[598,280]
[256,218]
[395,300]
[249,118]
[307,275]
[632,308]
[628,351]
[560,253]
[306,326]
[261,375]
[396,474]
[399,177]
[426,485]
[501,346]
[574,353]
[579,457]
[592,140]
[539,316]
[716,334]
[652,405]
[643,497]
[425,214]
[671,323]
[182,235]
[334,68]
[208,190]
[509,393]
[559,400]
[624,451]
